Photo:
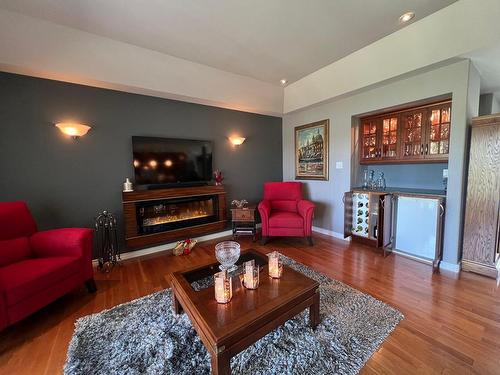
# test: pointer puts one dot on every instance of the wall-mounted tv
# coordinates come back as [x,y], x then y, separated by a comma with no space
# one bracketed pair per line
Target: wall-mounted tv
[170,161]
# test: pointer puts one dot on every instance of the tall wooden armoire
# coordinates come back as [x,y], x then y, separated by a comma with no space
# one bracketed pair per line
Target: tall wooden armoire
[482,212]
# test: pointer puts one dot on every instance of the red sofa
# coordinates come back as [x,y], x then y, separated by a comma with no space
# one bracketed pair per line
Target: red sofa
[36,268]
[284,213]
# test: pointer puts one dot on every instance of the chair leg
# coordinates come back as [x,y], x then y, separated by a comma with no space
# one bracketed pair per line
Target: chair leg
[310,241]
[91,286]
[264,240]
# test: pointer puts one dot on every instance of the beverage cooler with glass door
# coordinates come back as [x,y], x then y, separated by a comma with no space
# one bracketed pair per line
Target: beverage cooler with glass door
[368,217]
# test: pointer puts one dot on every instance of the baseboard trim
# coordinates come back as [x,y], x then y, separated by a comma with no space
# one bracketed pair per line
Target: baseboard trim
[212,236]
[168,246]
[330,233]
[481,269]
[453,267]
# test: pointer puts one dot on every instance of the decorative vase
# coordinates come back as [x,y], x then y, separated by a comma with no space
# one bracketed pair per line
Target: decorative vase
[218,177]
[227,254]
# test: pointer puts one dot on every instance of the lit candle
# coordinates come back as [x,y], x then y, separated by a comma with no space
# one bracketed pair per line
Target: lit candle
[223,287]
[275,265]
[251,275]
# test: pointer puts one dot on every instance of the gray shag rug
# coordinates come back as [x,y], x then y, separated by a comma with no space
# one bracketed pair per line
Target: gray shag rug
[144,336]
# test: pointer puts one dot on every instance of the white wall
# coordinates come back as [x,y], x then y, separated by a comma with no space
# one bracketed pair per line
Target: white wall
[453,31]
[452,79]
[44,49]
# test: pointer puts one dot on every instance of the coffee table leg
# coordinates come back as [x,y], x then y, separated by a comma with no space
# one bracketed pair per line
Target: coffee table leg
[221,364]
[175,303]
[314,311]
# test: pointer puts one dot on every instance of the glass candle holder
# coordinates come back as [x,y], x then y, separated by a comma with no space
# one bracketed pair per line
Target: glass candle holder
[275,265]
[250,275]
[223,287]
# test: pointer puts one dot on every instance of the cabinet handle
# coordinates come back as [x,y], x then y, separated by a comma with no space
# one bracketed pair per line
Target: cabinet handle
[441,207]
[426,149]
[343,200]
[422,149]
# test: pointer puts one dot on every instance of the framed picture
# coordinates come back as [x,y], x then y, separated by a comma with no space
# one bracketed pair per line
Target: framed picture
[311,151]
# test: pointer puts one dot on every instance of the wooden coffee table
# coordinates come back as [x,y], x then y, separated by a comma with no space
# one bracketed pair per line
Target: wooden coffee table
[227,329]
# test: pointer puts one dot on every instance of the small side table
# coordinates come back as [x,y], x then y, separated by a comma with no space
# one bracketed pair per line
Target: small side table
[243,221]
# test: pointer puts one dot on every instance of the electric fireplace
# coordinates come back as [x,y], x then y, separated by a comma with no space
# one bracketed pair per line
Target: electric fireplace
[164,215]
[167,214]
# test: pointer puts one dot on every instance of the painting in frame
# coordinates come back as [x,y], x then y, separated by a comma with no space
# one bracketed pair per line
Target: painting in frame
[311,151]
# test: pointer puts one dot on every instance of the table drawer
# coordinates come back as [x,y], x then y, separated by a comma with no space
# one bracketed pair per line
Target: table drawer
[243,215]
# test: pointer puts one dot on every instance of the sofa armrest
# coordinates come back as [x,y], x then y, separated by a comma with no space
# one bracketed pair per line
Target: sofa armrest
[306,210]
[75,242]
[265,211]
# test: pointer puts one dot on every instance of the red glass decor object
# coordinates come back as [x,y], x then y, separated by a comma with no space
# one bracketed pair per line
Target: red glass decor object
[218,177]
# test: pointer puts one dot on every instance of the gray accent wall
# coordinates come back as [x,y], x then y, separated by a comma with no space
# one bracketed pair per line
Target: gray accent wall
[67,182]
[457,80]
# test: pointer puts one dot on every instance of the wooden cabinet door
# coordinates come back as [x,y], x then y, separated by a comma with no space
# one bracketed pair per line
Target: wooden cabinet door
[389,137]
[413,134]
[369,137]
[482,210]
[438,126]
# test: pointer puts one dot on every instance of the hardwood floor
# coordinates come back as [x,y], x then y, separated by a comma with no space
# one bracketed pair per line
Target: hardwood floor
[451,325]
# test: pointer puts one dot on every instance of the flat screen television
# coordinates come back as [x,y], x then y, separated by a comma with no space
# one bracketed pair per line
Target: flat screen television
[168,161]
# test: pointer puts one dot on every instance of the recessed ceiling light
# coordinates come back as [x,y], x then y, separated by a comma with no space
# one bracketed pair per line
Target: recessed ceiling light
[283,82]
[406,17]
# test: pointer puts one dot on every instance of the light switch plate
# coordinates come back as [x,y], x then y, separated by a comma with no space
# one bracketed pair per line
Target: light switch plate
[445,173]
[339,165]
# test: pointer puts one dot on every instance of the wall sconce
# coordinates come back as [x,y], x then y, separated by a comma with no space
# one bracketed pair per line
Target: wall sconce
[236,141]
[73,129]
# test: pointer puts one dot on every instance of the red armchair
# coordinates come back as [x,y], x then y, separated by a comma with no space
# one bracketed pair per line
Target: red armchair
[36,268]
[284,213]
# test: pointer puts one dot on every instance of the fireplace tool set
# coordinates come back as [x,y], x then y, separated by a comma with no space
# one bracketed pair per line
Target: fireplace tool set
[106,241]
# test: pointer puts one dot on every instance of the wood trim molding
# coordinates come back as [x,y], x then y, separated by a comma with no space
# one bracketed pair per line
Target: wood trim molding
[490,271]
[486,120]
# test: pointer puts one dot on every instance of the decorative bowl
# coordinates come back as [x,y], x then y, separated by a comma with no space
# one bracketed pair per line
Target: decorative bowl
[227,254]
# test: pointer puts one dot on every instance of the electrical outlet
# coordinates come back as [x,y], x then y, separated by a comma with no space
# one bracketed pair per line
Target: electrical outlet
[445,173]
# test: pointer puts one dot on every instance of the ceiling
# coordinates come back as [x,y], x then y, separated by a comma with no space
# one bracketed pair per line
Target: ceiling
[266,40]
[487,62]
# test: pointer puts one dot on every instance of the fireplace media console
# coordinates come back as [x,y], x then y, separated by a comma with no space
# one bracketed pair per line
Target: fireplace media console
[158,216]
